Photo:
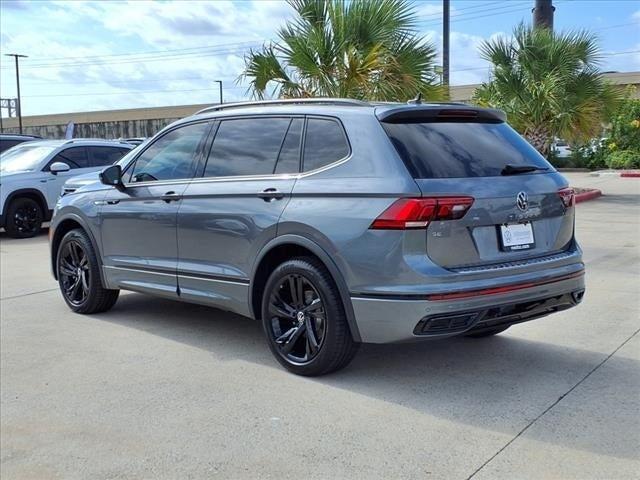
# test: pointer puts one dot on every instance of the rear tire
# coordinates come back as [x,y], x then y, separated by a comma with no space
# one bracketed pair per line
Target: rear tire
[24,218]
[487,333]
[78,271]
[300,297]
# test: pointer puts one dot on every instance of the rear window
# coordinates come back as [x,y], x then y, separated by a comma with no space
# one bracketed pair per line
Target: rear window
[461,149]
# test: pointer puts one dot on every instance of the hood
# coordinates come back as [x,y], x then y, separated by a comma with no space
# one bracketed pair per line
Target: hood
[82,180]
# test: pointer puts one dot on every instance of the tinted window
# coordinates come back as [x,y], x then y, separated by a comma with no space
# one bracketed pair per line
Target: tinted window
[246,147]
[457,150]
[100,156]
[75,157]
[7,144]
[289,158]
[324,143]
[170,157]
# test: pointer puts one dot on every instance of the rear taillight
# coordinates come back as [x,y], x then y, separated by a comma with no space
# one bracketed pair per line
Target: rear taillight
[409,213]
[568,196]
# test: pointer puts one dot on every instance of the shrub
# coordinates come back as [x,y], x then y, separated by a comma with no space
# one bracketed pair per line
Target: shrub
[624,159]
[625,127]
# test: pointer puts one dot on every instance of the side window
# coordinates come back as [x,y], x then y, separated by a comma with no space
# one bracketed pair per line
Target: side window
[324,143]
[102,156]
[7,144]
[289,158]
[246,147]
[75,157]
[171,157]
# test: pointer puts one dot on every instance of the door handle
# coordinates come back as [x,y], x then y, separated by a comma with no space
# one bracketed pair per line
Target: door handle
[270,194]
[170,197]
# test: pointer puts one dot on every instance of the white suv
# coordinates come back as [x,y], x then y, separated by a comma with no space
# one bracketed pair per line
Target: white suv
[32,175]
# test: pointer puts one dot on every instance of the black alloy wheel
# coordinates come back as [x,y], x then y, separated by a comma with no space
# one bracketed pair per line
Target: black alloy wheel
[24,218]
[304,318]
[78,269]
[298,318]
[74,272]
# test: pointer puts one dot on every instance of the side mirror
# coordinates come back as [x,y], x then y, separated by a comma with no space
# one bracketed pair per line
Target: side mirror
[112,176]
[58,167]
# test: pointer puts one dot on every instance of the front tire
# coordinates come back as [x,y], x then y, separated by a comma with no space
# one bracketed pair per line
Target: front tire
[304,319]
[24,218]
[79,278]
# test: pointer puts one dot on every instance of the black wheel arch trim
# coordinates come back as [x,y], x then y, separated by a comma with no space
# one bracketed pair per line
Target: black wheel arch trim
[83,224]
[46,212]
[328,262]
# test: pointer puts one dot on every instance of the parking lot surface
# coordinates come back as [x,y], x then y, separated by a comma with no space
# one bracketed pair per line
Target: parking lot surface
[160,389]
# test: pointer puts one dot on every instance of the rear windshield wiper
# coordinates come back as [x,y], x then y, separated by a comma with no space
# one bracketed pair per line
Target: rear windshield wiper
[510,169]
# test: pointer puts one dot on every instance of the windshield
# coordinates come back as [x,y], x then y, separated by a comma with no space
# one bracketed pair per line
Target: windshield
[24,157]
[461,149]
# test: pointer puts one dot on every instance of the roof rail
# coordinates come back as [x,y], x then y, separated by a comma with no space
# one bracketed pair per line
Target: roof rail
[291,101]
[74,140]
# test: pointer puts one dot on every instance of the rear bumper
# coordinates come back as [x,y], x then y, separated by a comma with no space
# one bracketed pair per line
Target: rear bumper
[391,319]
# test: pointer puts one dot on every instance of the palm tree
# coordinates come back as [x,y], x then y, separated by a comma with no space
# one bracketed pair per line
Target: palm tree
[365,49]
[549,85]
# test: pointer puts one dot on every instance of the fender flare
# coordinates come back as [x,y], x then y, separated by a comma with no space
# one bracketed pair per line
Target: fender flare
[83,224]
[328,262]
[28,191]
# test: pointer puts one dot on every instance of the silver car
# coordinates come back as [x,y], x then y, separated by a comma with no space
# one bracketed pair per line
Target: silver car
[333,222]
[32,175]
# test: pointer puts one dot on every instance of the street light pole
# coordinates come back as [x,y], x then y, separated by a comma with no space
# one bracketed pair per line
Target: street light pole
[445,44]
[19,109]
[220,83]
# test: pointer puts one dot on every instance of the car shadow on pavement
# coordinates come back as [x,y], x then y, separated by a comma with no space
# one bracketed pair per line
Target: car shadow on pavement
[497,383]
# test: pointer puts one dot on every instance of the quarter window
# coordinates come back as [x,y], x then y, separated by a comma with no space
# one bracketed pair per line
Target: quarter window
[246,147]
[75,157]
[324,143]
[171,157]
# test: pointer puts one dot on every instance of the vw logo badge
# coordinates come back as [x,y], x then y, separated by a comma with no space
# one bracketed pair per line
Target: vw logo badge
[522,201]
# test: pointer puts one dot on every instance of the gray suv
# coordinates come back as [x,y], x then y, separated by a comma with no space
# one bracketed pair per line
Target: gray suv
[333,222]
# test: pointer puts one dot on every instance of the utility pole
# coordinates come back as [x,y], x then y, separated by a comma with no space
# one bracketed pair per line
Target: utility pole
[16,57]
[543,14]
[445,44]
[219,82]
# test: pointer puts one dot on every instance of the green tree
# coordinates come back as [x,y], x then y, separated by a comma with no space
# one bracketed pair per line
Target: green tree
[364,49]
[549,85]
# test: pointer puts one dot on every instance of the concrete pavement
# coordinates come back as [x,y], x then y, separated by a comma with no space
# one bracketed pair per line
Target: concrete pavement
[159,389]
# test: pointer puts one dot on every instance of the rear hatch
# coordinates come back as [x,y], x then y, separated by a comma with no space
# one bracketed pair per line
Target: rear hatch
[519,206]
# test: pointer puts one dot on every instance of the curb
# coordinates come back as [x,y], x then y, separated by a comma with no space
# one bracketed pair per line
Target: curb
[616,173]
[588,195]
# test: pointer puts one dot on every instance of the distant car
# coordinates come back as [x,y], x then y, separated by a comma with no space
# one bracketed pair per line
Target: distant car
[11,140]
[32,175]
[561,149]
[74,183]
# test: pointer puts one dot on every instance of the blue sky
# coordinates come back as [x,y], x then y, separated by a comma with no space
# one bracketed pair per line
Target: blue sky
[87,55]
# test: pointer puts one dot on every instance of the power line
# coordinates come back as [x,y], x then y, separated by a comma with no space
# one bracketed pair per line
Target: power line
[148,52]
[438,14]
[175,56]
[469,15]
[134,92]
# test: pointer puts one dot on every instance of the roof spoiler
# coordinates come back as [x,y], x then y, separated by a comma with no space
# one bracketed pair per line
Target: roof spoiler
[443,112]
